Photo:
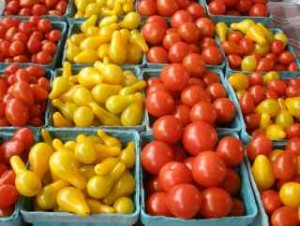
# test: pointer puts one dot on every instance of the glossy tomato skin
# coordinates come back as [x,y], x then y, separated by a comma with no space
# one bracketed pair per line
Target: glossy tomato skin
[180,17]
[259,145]
[193,94]
[285,166]
[155,155]
[167,129]
[225,110]
[247,103]
[170,39]
[182,113]
[217,203]
[178,51]
[217,7]
[271,201]
[154,32]
[184,201]
[174,173]
[198,137]
[175,77]
[212,55]
[286,216]
[159,103]
[232,182]
[157,204]
[147,7]
[157,54]
[196,10]
[217,90]
[293,145]
[238,208]
[293,131]
[189,32]
[203,111]
[208,169]
[194,64]
[206,26]
[16,112]
[167,7]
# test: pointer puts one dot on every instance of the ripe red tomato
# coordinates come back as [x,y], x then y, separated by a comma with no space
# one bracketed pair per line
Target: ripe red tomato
[238,208]
[206,26]
[286,58]
[277,47]
[183,3]
[159,103]
[234,61]
[189,162]
[178,51]
[235,36]
[189,32]
[175,77]
[246,45]
[21,91]
[203,111]
[196,10]
[157,204]
[217,7]
[43,57]
[174,173]
[258,93]
[225,110]
[230,150]
[180,17]
[270,200]
[157,54]
[259,145]
[232,182]
[212,55]
[155,155]
[8,195]
[211,77]
[193,94]
[184,201]
[255,78]
[285,216]
[293,145]
[54,36]
[34,45]
[167,7]
[194,64]
[198,137]
[208,169]
[207,41]
[182,113]
[293,67]
[154,32]
[259,10]
[39,10]
[244,6]
[153,185]
[291,131]
[16,112]
[217,90]
[279,86]
[147,7]
[217,203]
[247,103]
[170,39]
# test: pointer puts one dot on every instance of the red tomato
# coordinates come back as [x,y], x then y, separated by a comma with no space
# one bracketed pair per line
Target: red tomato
[217,7]
[277,47]
[293,131]
[208,169]
[286,58]
[170,39]
[12,7]
[255,78]
[235,36]
[207,41]
[206,26]
[279,86]
[154,32]
[155,155]
[8,195]
[217,90]
[155,88]
[10,33]
[51,3]
[225,110]
[157,204]
[167,7]
[159,103]
[180,17]
[194,64]
[26,136]
[3,168]
[34,45]
[25,12]
[36,71]
[293,67]
[203,111]
[39,10]
[6,212]
[153,185]
[174,173]
[196,10]
[212,55]
[193,94]
[285,216]
[194,48]
[217,203]
[258,10]
[8,177]
[265,64]
[246,45]
[270,200]
[258,93]
[21,91]
[230,150]
[182,113]
[159,19]
[184,201]
[293,145]
[234,61]
[196,81]
[157,54]
[189,32]
[294,82]
[259,145]
[244,6]
[175,77]
[229,3]
[62,6]
[43,57]
[238,208]
[232,182]
[167,128]
[211,77]
[147,7]
[247,103]
[49,47]
[183,3]
[189,162]
[198,137]
[16,112]
[54,36]
[178,51]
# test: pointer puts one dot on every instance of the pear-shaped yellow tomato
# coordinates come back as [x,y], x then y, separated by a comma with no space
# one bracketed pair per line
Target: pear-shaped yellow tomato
[262,172]
[290,194]
[239,81]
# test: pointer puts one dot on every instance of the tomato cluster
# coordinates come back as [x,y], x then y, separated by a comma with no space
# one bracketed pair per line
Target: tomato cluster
[255,8]
[23,96]
[189,33]
[19,144]
[33,40]
[276,173]
[35,7]
[203,184]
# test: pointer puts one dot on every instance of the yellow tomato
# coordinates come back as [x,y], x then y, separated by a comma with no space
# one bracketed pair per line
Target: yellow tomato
[239,81]
[290,194]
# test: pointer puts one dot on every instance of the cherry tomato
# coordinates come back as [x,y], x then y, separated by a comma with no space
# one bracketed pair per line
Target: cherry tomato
[167,7]
[211,77]
[34,45]
[54,36]
[232,182]
[174,173]
[159,103]
[234,61]
[217,7]
[238,208]
[244,6]
[285,166]
[167,129]
[207,41]
[256,78]
[170,39]
[217,203]
[235,36]
[206,26]
[279,86]
[182,113]
[293,145]
[277,47]
[196,10]
[230,150]
[62,6]
[159,19]
[293,67]
[285,216]
[203,111]
[183,3]
[16,112]
[3,88]
[198,137]
[153,185]
[184,201]
[208,169]
[189,32]
[39,10]
[265,64]
[175,77]
[258,93]
[225,110]
[194,64]
[6,212]
[154,32]
[189,162]
[293,131]
[157,204]
[178,51]
[259,145]
[246,45]
[193,94]
[49,47]
[259,10]
[157,54]
[43,57]
[212,55]
[8,177]
[147,7]
[8,195]
[247,103]
[21,91]
[270,200]
[286,58]
[180,17]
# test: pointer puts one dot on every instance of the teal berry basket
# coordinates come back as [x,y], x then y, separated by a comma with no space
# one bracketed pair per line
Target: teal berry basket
[49,76]
[234,126]
[245,135]
[38,218]
[231,19]
[289,48]
[59,25]
[75,70]
[246,194]
[75,29]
